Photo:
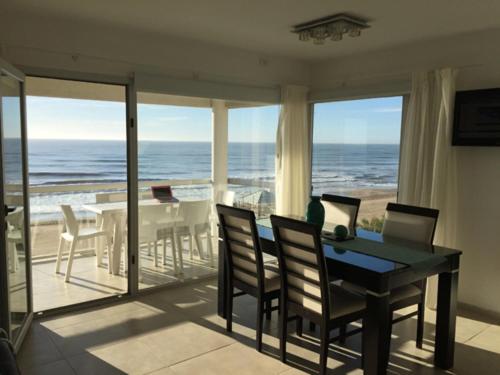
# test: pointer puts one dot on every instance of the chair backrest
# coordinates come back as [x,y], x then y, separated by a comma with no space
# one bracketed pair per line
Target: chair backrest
[340,210]
[194,212]
[410,222]
[110,197]
[304,278]
[153,218]
[70,219]
[15,219]
[241,239]
[226,197]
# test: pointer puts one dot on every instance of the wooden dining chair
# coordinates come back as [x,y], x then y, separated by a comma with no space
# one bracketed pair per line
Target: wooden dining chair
[246,270]
[409,223]
[305,287]
[340,210]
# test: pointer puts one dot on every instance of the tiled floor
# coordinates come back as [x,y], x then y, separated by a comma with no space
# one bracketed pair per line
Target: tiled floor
[178,332]
[89,282]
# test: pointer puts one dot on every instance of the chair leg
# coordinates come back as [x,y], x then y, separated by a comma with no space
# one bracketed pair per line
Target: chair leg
[180,248]
[109,242]
[342,333]
[283,329]
[190,240]
[174,255]
[229,308]
[323,354]
[210,249]
[149,249]
[260,321]
[70,260]
[199,245]
[312,326]
[12,254]
[299,323]
[59,254]
[420,324]
[164,251]
[155,246]
[16,257]
[362,348]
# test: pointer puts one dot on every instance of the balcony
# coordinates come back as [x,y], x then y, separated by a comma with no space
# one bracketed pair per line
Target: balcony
[89,281]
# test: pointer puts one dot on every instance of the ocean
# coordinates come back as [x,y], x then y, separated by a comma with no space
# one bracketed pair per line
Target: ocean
[336,167]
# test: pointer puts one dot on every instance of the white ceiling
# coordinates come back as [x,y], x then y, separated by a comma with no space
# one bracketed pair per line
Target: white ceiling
[264,25]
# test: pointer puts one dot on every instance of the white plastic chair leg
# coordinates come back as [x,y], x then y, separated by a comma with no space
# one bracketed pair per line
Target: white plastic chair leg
[164,251]
[190,239]
[70,260]
[155,245]
[16,258]
[180,248]
[210,249]
[174,255]
[199,245]
[109,242]
[125,257]
[12,257]
[59,254]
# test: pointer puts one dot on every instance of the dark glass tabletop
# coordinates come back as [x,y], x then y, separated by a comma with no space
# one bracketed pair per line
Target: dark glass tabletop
[374,252]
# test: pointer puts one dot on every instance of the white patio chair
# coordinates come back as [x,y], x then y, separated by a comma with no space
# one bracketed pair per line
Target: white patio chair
[194,222]
[156,223]
[226,197]
[15,236]
[73,234]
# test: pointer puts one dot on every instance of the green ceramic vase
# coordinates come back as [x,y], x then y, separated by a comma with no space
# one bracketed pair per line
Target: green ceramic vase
[315,211]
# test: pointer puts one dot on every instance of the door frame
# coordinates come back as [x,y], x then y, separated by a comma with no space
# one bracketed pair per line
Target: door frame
[5,322]
[132,215]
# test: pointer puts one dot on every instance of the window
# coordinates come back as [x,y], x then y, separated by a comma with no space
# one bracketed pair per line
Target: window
[175,151]
[251,150]
[356,153]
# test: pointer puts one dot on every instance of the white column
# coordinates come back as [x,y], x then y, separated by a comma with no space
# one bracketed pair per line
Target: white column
[219,146]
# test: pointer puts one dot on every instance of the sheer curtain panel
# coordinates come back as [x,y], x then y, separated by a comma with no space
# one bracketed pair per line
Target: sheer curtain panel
[428,162]
[293,152]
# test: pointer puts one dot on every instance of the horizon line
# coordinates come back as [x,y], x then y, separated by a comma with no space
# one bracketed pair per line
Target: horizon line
[182,141]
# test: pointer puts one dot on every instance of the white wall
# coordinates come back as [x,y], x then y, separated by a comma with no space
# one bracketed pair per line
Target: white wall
[31,40]
[478,57]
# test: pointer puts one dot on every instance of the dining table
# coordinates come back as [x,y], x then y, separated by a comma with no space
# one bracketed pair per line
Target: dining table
[379,264]
[111,217]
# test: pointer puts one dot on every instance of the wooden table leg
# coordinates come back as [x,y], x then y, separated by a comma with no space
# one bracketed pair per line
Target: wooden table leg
[221,281]
[444,349]
[376,333]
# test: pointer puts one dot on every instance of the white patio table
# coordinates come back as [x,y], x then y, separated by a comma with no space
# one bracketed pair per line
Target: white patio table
[110,217]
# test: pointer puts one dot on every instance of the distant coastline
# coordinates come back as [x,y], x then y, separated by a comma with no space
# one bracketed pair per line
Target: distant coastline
[336,167]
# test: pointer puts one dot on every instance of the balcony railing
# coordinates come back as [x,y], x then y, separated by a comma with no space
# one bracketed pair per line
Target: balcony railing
[254,194]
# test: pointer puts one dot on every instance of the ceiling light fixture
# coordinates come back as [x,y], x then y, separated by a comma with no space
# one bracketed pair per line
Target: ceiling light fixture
[333,27]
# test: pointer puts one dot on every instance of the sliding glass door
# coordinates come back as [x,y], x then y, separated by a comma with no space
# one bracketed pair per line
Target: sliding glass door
[15,301]
[78,191]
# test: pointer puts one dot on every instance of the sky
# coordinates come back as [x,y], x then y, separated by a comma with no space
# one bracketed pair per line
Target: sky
[356,121]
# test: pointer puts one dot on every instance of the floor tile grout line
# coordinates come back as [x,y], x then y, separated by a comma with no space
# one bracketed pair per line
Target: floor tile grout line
[477,334]
[202,354]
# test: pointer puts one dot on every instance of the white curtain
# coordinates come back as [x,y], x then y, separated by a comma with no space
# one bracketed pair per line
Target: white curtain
[293,152]
[428,164]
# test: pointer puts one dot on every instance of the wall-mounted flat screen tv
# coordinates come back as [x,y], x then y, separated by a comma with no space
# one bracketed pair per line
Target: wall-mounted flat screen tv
[477,118]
